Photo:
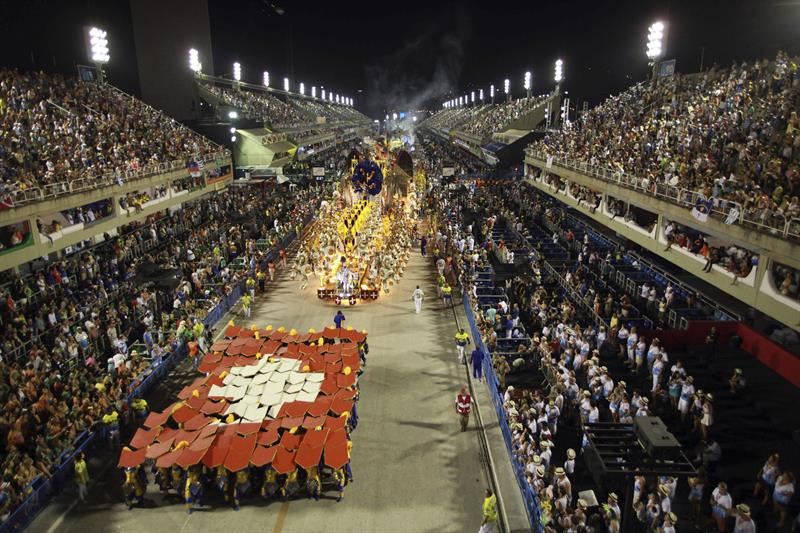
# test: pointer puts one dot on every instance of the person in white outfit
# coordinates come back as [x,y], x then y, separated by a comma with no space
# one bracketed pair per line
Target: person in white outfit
[418,296]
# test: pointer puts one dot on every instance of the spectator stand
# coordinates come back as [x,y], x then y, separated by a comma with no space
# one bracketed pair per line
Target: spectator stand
[43,489]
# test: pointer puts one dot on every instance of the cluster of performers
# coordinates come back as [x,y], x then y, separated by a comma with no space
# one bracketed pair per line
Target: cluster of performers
[358,246]
[193,484]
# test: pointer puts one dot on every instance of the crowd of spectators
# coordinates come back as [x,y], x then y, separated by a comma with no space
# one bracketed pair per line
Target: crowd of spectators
[66,356]
[447,119]
[499,116]
[262,106]
[730,134]
[571,356]
[787,280]
[55,129]
[734,259]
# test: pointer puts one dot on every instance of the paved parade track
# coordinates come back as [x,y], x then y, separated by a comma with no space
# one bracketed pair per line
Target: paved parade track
[414,470]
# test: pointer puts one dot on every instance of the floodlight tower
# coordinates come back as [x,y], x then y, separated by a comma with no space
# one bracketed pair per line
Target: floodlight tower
[558,74]
[194,61]
[506,89]
[480,95]
[266,79]
[237,72]
[528,78]
[98,50]
[655,44]
[491,92]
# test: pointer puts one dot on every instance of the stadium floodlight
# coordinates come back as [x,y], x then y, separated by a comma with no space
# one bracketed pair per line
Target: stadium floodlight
[506,85]
[527,83]
[266,79]
[336,98]
[302,88]
[491,91]
[286,84]
[559,71]
[194,60]
[233,114]
[233,138]
[237,72]
[323,94]
[313,91]
[98,46]
[233,130]
[413,119]
[472,97]
[394,116]
[480,95]
[655,40]
[387,117]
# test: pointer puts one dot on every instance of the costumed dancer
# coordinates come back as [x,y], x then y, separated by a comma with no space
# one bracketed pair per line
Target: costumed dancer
[132,487]
[271,485]
[193,490]
[290,485]
[241,487]
[163,480]
[341,481]
[222,482]
[313,483]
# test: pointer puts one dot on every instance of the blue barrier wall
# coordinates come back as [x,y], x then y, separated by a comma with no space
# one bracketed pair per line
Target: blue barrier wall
[528,494]
[41,490]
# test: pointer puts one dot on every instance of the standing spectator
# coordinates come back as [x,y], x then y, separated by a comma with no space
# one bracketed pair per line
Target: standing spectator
[81,476]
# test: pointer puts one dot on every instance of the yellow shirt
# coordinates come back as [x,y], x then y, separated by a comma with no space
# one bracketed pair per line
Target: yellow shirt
[490,508]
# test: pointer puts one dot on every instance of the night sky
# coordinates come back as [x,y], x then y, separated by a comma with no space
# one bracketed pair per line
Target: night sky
[413,54]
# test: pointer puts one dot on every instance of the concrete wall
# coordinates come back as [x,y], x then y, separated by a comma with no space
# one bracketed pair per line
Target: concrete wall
[164,32]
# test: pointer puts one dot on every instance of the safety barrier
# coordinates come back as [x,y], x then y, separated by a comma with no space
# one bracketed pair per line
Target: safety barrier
[43,489]
[528,494]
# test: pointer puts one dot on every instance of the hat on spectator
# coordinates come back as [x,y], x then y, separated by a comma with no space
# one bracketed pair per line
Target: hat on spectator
[613,497]
[570,454]
[743,508]
[560,471]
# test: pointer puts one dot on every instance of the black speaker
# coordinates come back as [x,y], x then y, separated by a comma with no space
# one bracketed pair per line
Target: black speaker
[655,438]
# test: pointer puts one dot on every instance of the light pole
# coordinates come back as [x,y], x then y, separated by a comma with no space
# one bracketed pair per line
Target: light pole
[286,84]
[528,78]
[314,91]
[491,92]
[237,72]
[558,75]
[194,61]
[480,95]
[302,89]
[98,50]
[655,44]
[266,79]
[506,87]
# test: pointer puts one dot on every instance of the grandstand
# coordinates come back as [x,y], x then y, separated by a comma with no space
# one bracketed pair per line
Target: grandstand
[495,133]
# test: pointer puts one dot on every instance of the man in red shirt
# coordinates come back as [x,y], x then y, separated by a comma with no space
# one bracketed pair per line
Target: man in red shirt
[463,406]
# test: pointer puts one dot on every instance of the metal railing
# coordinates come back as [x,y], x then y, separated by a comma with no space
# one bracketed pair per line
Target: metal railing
[677,195]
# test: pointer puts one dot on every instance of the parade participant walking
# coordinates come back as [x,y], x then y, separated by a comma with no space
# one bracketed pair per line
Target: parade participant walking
[81,476]
[462,340]
[463,406]
[477,363]
[489,520]
[251,287]
[447,295]
[418,296]
[338,319]
[246,301]
[423,246]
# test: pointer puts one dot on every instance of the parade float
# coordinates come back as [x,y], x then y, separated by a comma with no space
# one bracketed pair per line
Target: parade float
[270,418]
[359,245]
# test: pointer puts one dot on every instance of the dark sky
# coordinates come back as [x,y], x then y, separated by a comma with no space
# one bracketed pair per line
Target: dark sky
[404,55]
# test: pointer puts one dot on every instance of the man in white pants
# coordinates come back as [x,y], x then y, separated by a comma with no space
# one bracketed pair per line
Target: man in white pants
[418,296]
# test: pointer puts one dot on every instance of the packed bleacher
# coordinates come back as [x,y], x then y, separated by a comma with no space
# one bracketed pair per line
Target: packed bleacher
[62,134]
[500,116]
[81,334]
[730,134]
[261,106]
[569,346]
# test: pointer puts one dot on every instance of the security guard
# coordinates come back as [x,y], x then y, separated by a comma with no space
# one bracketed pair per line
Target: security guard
[462,340]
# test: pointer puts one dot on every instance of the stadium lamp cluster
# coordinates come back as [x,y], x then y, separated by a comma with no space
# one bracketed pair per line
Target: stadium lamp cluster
[655,40]
[194,60]
[559,71]
[98,45]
